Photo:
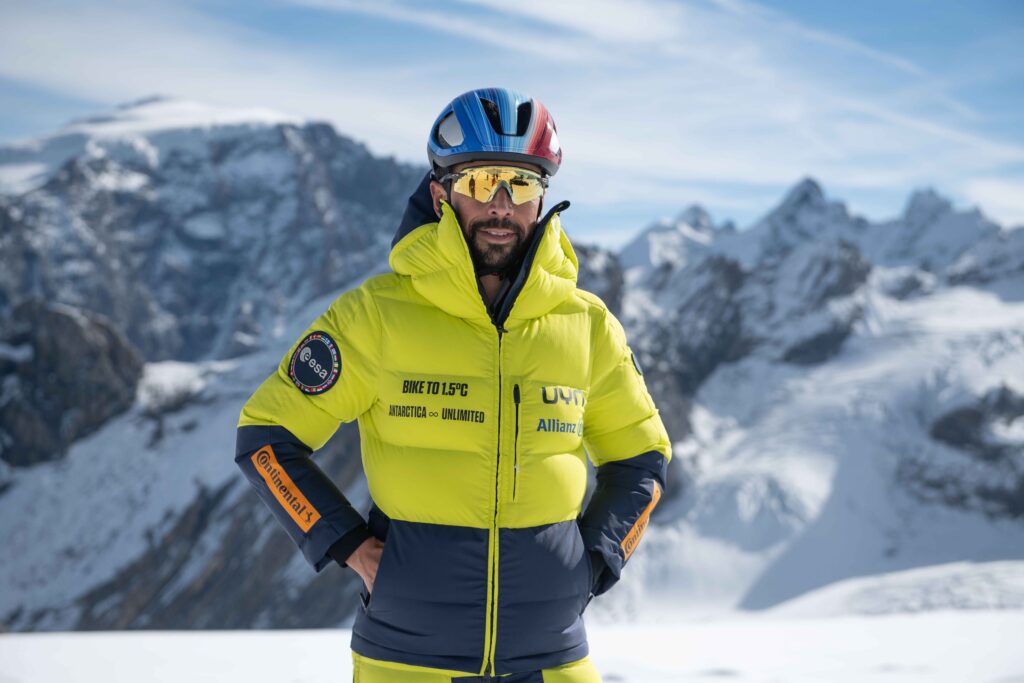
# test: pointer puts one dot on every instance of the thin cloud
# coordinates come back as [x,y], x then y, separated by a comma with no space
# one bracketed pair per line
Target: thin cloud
[647,94]
[779,21]
[501,36]
[111,54]
[1002,198]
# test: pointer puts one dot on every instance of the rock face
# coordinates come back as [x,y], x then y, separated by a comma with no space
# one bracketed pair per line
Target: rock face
[600,273]
[246,578]
[195,238]
[986,470]
[63,373]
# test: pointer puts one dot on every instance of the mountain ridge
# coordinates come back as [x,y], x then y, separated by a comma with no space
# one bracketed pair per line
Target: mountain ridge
[840,392]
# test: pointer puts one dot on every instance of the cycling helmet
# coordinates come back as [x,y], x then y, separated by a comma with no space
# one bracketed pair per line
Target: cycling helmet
[494,124]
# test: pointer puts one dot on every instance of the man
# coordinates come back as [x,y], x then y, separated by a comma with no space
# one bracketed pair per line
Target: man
[481,379]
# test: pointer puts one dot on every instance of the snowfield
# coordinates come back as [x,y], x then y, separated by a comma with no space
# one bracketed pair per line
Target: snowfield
[933,647]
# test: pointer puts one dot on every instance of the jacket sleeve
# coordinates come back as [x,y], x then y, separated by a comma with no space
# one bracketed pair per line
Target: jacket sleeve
[628,444]
[328,376]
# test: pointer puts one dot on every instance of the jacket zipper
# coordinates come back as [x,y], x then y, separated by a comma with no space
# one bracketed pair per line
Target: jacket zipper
[498,318]
[492,641]
[515,444]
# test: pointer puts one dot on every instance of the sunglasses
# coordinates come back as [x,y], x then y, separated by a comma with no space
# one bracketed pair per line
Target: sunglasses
[483,182]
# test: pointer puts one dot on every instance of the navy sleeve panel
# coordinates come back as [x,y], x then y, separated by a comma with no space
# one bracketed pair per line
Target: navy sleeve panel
[616,515]
[313,501]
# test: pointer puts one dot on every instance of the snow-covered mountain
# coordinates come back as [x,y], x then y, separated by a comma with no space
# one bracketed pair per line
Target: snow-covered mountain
[846,398]
[668,244]
[194,229]
[857,394]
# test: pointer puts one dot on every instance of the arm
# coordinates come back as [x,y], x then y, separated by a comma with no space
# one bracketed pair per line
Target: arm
[328,376]
[627,442]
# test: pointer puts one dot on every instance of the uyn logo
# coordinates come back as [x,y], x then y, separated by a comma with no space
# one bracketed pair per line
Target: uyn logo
[567,395]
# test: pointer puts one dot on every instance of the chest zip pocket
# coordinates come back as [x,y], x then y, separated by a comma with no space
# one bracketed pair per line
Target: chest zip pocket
[515,444]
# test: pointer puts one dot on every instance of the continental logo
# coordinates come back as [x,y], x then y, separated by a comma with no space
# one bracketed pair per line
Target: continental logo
[631,540]
[284,489]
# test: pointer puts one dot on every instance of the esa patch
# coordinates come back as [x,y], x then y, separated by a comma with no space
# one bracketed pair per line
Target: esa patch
[315,364]
[636,364]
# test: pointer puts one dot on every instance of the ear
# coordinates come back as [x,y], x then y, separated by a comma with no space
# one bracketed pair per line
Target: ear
[437,193]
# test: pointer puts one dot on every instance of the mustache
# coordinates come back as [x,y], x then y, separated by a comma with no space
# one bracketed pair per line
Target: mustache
[495,222]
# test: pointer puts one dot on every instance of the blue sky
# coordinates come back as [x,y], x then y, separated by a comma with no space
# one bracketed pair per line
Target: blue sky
[659,104]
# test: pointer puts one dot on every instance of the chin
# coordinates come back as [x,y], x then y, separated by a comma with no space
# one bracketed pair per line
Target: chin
[491,263]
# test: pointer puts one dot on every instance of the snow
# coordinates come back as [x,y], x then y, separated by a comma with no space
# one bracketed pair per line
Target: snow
[15,178]
[951,586]
[205,226]
[668,242]
[137,133]
[165,383]
[83,518]
[121,181]
[16,354]
[163,113]
[934,647]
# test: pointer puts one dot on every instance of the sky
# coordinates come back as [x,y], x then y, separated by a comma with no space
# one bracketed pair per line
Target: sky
[659,104]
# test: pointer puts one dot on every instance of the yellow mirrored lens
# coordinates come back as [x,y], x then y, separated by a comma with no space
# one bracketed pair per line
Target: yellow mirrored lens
[482,183]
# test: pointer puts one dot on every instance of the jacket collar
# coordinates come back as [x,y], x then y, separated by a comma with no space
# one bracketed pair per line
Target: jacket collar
[437,259]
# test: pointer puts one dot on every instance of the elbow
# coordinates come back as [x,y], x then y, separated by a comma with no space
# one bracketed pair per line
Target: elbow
[248,440]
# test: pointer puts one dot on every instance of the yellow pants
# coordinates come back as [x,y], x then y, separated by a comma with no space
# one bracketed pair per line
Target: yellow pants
[366,670]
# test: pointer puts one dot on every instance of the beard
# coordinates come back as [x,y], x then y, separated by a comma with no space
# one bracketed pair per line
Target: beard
[486,255]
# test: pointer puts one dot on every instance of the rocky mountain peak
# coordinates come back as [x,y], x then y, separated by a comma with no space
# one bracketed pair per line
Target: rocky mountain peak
[697,217]
[666,243]
[807,193]
[166,210]
[803,215]
[925,206]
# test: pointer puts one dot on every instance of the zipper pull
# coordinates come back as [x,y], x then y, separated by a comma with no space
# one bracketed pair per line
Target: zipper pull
[515,393]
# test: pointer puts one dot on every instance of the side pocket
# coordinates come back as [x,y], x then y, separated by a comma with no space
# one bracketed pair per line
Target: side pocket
[380,527]
[588,562]
[590,566]
[368,601]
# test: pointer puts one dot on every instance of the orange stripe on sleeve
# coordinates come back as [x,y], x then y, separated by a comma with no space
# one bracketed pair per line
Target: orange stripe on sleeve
[284,489]
[631,540]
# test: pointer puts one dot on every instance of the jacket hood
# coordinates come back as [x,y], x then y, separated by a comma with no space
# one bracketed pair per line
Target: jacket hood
[436,257]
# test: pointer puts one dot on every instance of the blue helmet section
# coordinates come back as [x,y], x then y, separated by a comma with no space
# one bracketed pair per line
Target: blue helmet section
[494,124]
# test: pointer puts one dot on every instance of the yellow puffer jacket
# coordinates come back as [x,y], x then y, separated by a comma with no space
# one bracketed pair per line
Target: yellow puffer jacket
[475,425]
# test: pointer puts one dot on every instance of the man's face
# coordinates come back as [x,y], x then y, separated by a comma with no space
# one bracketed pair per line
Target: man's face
[496,231]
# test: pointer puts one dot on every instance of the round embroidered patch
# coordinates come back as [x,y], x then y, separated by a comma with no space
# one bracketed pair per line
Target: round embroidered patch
[315,364]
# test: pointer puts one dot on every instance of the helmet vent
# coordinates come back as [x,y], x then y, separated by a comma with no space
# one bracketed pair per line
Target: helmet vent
[523,114]
[449,132]
[493,115]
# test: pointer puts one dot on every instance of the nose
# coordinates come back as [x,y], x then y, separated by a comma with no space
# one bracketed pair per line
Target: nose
[501,204]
